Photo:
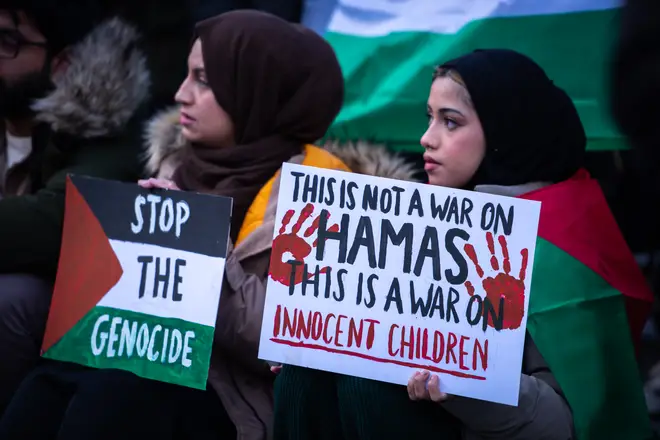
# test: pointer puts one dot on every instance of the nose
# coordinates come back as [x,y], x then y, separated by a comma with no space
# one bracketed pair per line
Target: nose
[184,95]
[427,141]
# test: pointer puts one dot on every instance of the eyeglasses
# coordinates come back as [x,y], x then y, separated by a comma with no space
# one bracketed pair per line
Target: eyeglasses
[11,42]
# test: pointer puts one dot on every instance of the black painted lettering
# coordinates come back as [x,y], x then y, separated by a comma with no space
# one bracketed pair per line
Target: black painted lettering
[341,294]
[370,198]
[351,188]
[386,200]
[430,248]
[466,209]
[394,296]
[312,279]
[145,260]
[324,235]
[364,236]
[163,278]
[330,199]
[389,235]
[310,188]
[416,204]
[397,199]
[438,211]
[296,184]
[178,264]
[452,299]
[459,258]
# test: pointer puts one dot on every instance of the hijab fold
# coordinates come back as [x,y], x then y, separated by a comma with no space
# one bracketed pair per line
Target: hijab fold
[532,129]
[282,87]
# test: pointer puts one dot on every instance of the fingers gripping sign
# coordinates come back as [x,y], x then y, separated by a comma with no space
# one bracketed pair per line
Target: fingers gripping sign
[502,285]
[425,386]
[292,246]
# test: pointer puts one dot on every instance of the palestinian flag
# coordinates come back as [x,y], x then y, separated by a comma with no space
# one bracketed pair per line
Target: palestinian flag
[387,50]
[139,280]
[588,298]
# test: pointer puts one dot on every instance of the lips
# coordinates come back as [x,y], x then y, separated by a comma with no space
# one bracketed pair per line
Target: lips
[429,163]
[186,119]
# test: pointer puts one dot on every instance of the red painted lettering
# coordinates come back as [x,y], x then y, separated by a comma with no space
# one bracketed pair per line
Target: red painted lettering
[462,353]
[390,340]
[338,330]
[371,333]
[278,321]
[452,340]
[482,352]
[355,334]
[326,339]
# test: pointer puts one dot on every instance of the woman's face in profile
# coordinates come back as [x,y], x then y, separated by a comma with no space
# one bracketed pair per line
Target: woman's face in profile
[454,141]
[202,119]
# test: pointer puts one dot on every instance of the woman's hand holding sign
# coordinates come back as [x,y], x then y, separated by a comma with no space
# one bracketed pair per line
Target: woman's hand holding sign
[158,183]
[421,387]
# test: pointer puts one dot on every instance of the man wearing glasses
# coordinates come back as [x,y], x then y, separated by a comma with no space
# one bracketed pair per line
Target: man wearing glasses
[72,87]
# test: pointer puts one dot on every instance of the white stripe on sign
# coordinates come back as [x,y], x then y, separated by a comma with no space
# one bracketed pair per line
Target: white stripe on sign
[372,18]
[197,290]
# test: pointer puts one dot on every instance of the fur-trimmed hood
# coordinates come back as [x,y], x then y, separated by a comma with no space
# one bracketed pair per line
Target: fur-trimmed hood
[163,142]
[105,83]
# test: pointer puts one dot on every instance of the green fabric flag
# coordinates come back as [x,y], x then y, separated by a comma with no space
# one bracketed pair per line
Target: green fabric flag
[387,50]
[588,296]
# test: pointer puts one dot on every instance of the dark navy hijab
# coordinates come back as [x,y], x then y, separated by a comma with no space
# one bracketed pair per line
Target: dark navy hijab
[533,132]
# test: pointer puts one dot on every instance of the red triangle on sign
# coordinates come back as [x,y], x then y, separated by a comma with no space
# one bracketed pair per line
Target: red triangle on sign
[88,268]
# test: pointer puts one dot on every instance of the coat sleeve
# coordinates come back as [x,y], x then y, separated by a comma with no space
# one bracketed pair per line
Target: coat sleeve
[31,225]
[238,326]
[542,412]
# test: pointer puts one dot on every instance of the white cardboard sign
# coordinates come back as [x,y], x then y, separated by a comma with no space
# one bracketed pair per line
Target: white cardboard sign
[378,278]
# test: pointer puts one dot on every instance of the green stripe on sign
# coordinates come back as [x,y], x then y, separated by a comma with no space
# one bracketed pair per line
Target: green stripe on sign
[579,323]
[163,349]
[388,78]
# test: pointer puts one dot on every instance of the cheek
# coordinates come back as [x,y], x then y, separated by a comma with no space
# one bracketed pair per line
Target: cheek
[28,61]
[464,153]
[215,124]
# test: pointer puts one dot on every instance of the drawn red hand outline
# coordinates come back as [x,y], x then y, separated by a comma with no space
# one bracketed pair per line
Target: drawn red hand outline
[503,284]
[296,245]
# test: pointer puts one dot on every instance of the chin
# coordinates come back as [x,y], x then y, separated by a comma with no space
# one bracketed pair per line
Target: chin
[189,135]
[436,180]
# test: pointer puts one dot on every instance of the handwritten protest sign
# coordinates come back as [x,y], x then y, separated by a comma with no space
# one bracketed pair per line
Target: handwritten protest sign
[376,278]
[139,280]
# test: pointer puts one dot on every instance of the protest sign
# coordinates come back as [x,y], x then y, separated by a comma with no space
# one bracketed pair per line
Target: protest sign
[377,278]
[139,280]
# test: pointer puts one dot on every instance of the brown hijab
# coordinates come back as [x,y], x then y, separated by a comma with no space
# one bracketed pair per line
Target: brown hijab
[282,86]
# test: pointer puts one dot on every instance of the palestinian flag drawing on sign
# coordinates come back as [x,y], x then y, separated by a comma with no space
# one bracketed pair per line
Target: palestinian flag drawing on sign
[139,280]
[588,297]
[387,50]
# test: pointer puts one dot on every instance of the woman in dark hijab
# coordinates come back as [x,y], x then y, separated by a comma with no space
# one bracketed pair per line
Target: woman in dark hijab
[496,124]
[495,118]
[259,90]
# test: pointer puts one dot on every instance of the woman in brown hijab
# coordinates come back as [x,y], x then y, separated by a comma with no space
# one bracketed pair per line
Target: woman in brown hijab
[259,90]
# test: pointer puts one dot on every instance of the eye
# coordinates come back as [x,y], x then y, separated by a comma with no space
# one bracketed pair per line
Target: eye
[429,117]
[451,124]
[9,42]
[200,77]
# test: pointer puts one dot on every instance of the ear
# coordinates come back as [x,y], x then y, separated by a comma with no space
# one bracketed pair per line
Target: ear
[59,64]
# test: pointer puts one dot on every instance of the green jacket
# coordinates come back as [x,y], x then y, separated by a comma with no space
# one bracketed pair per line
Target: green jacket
[88,125]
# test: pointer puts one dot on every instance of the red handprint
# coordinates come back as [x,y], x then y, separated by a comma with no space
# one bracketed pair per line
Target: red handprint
[503,285]
[294,244]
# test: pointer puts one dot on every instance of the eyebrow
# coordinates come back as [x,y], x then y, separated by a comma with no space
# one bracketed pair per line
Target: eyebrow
[449,110]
